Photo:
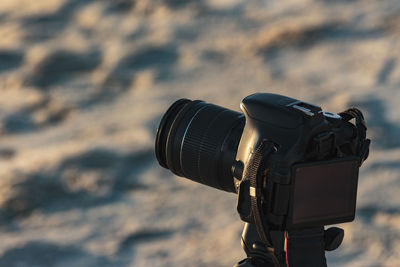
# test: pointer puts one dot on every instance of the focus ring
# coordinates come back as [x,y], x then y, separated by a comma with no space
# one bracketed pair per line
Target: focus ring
[201,151]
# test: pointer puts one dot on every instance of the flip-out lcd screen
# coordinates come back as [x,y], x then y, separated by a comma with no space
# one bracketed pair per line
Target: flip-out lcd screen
[324,193]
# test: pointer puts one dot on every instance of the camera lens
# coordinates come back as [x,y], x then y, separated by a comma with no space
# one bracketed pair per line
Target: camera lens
[198,140]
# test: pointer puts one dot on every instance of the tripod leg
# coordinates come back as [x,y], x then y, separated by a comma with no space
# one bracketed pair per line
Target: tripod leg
[257,253]
[306,247]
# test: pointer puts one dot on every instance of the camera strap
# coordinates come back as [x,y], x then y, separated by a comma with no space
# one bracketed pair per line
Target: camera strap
[362,143]
[255,173]
[325,143]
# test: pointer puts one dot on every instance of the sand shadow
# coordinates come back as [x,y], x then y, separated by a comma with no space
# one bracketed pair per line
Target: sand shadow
[368,213]
[384,165]
[383,76]
[38,253]
[120,171]
[96,177]
[176,4]
[30,193]
[10,59]
[127,246]
[22,121]
[307,37]
[18,122]
[46,26]
[161,59]
[213,56]
[142,236]
[7,153]
[118,7]
[62,65]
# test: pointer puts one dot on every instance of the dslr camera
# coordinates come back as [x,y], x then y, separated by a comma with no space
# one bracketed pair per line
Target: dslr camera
[293,166]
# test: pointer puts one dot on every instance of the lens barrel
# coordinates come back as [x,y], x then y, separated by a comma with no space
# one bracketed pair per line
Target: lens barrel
[199,140]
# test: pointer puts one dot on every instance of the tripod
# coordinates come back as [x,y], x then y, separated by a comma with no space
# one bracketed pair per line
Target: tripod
[298,248]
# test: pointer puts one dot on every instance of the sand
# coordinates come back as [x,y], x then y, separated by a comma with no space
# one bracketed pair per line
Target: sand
[85,83]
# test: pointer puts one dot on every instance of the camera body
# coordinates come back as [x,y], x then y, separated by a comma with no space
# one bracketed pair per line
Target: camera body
[310,178]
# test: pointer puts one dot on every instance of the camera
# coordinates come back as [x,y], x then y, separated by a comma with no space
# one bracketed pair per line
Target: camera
[293,165]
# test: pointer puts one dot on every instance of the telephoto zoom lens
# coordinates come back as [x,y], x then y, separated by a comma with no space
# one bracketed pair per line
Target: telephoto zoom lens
[199,140]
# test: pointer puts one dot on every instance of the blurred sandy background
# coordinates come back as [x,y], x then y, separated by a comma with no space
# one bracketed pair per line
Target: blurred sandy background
[85,83]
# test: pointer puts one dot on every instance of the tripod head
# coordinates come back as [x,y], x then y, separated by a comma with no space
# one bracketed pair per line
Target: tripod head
[293,248]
